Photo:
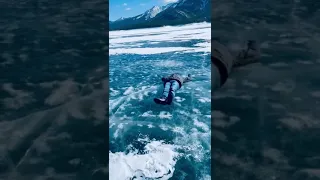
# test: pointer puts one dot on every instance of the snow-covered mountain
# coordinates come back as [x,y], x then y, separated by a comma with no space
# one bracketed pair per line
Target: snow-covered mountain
[151,13]
[120,19]
[181,12]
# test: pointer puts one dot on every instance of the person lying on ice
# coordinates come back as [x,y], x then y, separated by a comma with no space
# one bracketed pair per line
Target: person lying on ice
[171,84]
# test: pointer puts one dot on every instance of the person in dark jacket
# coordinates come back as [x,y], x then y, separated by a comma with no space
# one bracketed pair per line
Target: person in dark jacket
[171,84]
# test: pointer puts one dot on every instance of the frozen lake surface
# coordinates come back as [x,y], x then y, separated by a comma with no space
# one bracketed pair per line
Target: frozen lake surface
[150,141]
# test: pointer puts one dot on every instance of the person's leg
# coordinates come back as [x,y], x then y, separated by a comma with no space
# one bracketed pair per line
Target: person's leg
[166,90]
[173,88]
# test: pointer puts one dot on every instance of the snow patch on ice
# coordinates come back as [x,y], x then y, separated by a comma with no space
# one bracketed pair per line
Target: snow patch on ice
[165,115]
[157,162]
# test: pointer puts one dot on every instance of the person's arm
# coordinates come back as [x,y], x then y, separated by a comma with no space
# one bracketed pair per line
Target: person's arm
[187,79]
[247,56]
[253,51]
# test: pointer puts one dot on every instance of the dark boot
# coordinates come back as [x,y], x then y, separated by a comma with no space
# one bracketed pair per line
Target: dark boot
[170,98]
[160,100]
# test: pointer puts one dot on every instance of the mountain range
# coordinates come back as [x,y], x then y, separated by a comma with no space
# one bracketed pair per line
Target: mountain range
[181,12]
